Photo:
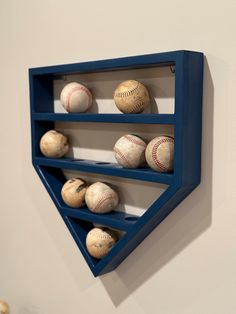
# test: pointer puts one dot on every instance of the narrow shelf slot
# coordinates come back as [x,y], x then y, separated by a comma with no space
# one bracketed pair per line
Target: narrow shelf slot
[114,219]
[143,174]
[106,118]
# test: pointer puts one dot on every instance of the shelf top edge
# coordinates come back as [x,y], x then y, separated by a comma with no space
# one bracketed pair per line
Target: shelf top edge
[137,61]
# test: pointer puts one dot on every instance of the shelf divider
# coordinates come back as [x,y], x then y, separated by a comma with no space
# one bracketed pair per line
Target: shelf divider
[114,219]
[106,168]
[106,117]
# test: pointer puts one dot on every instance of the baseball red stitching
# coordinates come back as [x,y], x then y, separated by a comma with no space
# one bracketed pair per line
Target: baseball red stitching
[103,198]
[122,156]
[74,89]
[128,92]
[135,140]
[154,153]
[137,107]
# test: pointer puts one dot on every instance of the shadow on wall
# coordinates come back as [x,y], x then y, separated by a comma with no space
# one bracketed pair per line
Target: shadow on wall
[187,222]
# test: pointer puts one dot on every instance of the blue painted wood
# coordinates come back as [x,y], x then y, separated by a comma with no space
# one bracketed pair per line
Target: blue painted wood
[107,118]
[116,220]
[106,168]
[55,178]
[79,230]
[134,62]
[187,164]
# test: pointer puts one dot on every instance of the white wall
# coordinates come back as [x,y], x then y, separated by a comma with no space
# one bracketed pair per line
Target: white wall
[187,265]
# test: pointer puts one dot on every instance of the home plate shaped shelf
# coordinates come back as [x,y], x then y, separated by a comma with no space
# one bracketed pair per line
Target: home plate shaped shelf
[187,124]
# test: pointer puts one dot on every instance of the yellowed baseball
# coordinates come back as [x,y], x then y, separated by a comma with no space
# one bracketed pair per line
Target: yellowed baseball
[73,192]
[101,198]
[4,307]
[54,144]
[129,151]
[160,153]
[99,241]
[76,97]
[131,97]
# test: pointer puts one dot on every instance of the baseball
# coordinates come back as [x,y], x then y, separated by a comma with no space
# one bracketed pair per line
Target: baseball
[54,144]
[99,241]
[160,153]
[73,192]
[129,151]
[131,97]
[76,97]
[101,198]
[4,308]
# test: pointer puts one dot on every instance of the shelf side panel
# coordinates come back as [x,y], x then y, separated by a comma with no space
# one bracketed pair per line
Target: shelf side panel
[41,93]
[188,104]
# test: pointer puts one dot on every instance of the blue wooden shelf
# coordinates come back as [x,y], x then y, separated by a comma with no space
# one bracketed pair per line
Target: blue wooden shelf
[187,121]
[116,220]
[106,118]
[106,168]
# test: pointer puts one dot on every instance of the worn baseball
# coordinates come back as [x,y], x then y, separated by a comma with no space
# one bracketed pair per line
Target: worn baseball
[131,97]
[160,153]
[73,192]
[101,198]
[129,151]
[76,97]
[4,308]
[54,144]
[99,241]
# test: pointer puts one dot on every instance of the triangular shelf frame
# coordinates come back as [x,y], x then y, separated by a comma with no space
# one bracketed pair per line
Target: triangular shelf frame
[187,122]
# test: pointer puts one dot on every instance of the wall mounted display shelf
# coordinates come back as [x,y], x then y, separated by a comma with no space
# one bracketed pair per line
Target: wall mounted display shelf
[187,123]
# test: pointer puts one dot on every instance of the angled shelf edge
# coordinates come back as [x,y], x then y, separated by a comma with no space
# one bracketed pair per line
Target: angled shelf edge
[187,121]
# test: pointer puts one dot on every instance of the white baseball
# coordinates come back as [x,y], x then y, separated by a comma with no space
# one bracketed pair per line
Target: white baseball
[160,154]
[99,241]
[54,144]
[4,308]
[76,97]
[129,151]
[131,97]
[101,198]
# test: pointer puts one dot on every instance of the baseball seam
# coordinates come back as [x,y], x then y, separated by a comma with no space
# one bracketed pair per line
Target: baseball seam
[137,107]
[154,153]
[135,140]
[122,156]
[106,196]
[127,93]
[74,89]
[100,236]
